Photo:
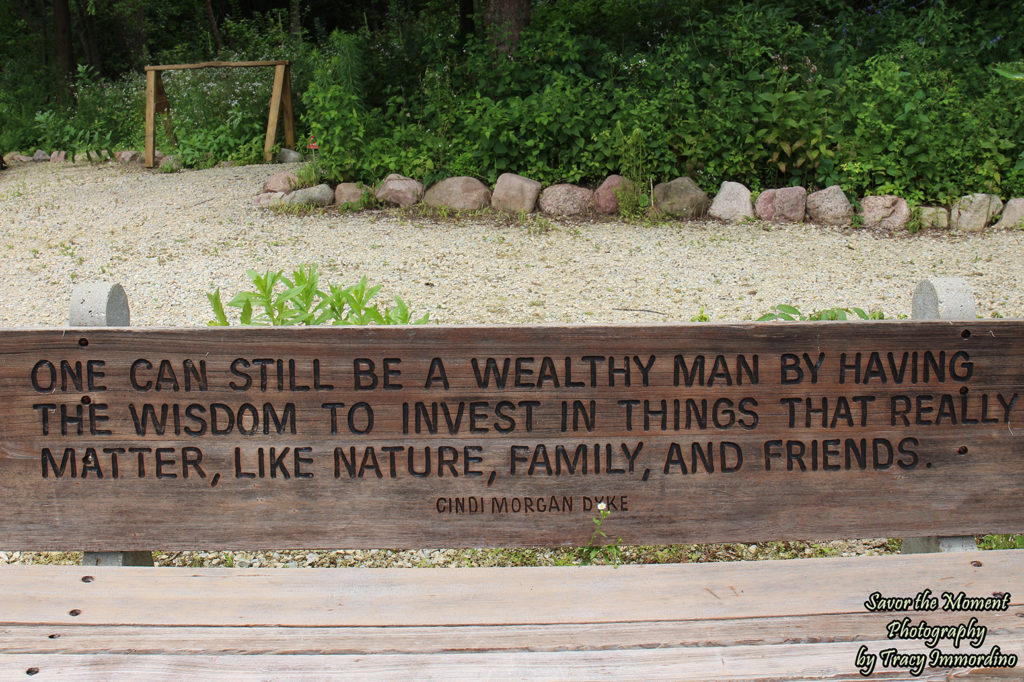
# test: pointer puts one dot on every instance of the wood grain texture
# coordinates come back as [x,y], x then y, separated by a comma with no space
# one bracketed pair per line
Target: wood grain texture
[883,458]
[785,662]
[207,65]
[491,596]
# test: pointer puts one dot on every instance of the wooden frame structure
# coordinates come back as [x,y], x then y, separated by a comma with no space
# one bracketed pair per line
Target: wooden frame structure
[280,102]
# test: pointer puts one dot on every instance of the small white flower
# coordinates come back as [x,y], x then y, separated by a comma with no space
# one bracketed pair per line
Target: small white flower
[601,506]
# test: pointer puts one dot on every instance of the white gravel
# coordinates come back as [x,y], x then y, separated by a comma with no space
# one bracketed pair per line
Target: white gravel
[170,238]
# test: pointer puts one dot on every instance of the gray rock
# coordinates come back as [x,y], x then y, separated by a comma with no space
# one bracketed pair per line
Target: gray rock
[349,193]
[605,198]
[289,156]
[935,216]
[888,212]
[321,195]
[974,211]
[682,198]
[829,207]
[783,205]
[40,155]
[400,190]
[566,199]
[16,157]
[460,193]
[127,156]
[1013,215]
[280,182]
[732,203]
[514,193]
[267,199]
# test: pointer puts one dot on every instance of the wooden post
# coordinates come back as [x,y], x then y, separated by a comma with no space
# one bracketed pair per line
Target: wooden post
[942,298]
[150,116]
[280,71]
[100,304]
[286,109]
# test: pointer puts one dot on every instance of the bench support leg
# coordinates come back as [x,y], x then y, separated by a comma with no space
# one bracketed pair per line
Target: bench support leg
[942,298]
[101,304]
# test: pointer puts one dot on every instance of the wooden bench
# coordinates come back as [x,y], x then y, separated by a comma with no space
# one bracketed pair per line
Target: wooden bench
[419,437]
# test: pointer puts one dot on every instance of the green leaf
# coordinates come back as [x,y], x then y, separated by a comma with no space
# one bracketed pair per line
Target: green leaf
[220,319]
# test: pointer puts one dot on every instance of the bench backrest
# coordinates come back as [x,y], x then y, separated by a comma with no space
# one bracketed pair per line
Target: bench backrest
[508,436]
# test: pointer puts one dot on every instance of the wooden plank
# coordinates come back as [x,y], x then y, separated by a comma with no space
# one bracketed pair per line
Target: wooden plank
[507,596]
[150,118]
[929,454]
[208,65]
[293,640]
[287,113]
[280,72]
[797,662]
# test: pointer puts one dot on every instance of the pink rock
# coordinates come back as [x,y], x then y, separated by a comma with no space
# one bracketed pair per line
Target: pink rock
[784,205]
[566,199]
[280,182]
[514,193]
[58,157]
[887,212]
[400,190]
[605,198]
[348,193]
[461,193]
[267,199]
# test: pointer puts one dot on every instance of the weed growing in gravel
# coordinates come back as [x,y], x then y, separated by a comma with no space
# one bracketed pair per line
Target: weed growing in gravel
[611,553]
[280,301]
[792,314]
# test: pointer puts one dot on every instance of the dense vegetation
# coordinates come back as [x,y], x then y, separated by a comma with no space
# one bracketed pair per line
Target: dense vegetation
[878,97]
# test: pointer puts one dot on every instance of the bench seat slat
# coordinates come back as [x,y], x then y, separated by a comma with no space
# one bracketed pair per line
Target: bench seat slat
[369,597]
[804,662]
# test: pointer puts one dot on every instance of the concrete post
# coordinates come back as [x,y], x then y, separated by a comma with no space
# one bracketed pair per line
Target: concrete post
[942,298]
[100,304]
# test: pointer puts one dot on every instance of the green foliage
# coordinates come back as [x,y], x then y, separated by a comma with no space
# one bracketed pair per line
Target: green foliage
[789,313]
[1015,541]
[595,549]
[282,301]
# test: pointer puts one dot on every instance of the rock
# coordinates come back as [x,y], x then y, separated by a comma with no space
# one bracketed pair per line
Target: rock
[682,198]
[126,156]
[16,157]
[400,190]
[732,203]
[1013,215]
[783,205]
[888,212]
[40,155]
[514,193]
[321,195]
[974,211]
[267,199]
[934,216]
[605,198]
[226,163]
[566,199]
[461,193]
[280,182]
[829,207]
[170,163]
[58,157]
[158,156]
[349,193]
[289,156]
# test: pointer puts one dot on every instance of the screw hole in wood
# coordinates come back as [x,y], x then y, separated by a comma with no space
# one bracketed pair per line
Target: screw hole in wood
[75,612]
[965,334]
[87,578]
[976,564]
[962,450]
[83,342]
[32,671]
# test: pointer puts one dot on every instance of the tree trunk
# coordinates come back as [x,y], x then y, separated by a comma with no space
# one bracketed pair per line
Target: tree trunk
[62,49]
[87,36]
[214,31]
[295,18]
[467,22]
[505,19]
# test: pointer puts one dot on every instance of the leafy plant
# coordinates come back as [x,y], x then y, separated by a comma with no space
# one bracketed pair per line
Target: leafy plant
[791,314]
[279,300]
[611,553]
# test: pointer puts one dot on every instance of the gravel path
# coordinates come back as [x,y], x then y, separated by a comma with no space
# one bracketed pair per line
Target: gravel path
[170,238]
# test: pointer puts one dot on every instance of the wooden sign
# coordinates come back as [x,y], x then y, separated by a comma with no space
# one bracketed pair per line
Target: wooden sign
[507,436]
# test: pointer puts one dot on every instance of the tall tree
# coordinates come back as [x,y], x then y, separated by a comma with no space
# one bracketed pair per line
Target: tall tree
[505,19]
